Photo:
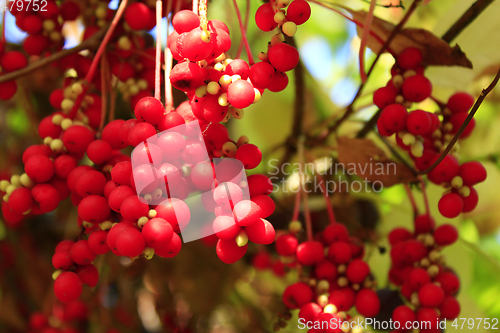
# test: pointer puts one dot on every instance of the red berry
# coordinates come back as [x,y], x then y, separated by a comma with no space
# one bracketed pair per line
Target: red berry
[185,21]
[449,308]
[298,12]
[283,57]
[68,287]
[460,102]
[240,94]
[88,274]
[367,303]
[149,109]
[335,232]
[445,171]
[229,252]
[357,271]
[340,253]
[419,122]
[297,295]
[139,17]
[472,172]
[457,120]
[430,295]
[394,117]
[404,316]
[130,243]
[409,58]
[261,75]
[286,245]
[171,249]
[445,234]
[310,253]
[451,205]
[416,88]
[264,17]
[261,232]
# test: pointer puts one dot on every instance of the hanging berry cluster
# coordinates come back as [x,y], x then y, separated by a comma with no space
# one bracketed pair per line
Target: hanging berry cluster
[334,277]
[426,284]
[425,134]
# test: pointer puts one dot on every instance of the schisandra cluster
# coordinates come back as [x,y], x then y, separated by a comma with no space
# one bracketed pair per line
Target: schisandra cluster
[65,318]
[337,279]
[427,285]
[426,134]
[212,81]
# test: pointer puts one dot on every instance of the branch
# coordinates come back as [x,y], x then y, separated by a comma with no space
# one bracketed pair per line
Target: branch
[394,33]
[472,112]
[470,15]
[86,44]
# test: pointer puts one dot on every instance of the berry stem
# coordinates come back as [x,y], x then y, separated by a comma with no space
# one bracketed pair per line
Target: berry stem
[247,18]
[296,207]
[244,34]
[169,103]
[412,199]
[462,128]
[195,7]
[424,193]
[359,24]
[104,93]
[97,57]
[3,26]
[385,46]
[470,15]
[302,177]
[85,45]
[364,39]
[158,50]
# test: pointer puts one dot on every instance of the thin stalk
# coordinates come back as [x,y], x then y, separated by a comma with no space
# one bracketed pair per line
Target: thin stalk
[364,39]
[426,199]
[169,104]
[412,199]
[247,18]
[243,34]
[302,175]
[158,50]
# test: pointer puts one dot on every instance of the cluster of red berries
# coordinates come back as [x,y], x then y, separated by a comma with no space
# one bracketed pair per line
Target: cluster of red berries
[337,279]
[44,26]
[64,318]
[10,61]
[426,134]
[214,82]
[419,270]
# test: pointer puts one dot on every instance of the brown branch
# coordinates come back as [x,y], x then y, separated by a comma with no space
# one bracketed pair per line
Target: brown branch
[470,15]
[86,44]
[394,33]
[369,125]
[299,111]
[472,112]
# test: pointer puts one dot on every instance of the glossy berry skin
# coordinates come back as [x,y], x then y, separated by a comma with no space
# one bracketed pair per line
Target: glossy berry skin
[445,234]
[419,122]
[171,249]
[286,245]
[416,88]
[261,75]
[339,253]
[431,295]
[299,11]
[81,254]
[261,232]
[264,17]
[310,253]
[94,209]
[20,201]
[404,316]
[283,57]
[460,102]
[139,17]
[367,303]
[250,155]
[149,109]
[409,58]
[472,173]
[157,233]
[229,252]
[297,295]
[335,232]
[39,168]
[130,243]
[394,117]
[68,287]
[357,271]
[451,205]
[185,21]
[97,242]
[240,94]
[445,171]
[310,311]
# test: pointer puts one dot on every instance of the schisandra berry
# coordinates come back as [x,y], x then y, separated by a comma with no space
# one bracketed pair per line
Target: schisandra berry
[451,205]
[310,253]
[431,295]
[68,287]
[367,303]
[297,295]
[261,232]
[298,12]
[445,234]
